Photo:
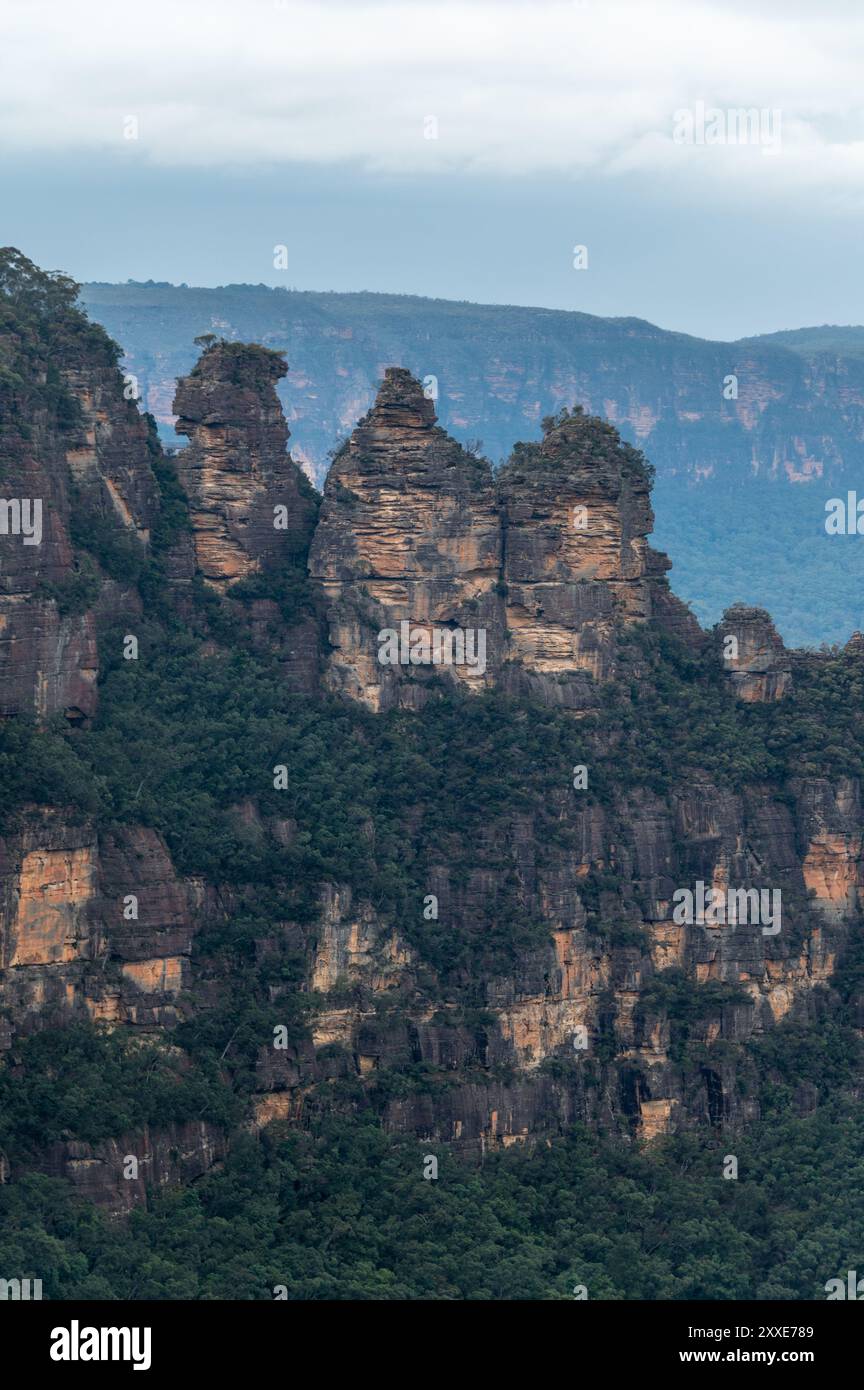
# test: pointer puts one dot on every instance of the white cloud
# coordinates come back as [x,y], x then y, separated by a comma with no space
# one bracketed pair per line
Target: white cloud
[547,86]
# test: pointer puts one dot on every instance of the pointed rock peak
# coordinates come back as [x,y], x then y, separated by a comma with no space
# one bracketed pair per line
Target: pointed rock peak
[401,401]
[230,383]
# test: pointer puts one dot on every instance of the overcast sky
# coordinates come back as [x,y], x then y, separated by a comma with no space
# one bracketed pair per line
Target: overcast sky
[456,149]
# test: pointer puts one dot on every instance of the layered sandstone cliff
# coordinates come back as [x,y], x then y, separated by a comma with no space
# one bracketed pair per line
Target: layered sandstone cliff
[251,509]
[93,924]
[75,485]
[584,1027]
[549,561]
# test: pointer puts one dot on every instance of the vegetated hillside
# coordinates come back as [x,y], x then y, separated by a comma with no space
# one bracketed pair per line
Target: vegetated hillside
[283,935]
[744,480]
[843,340]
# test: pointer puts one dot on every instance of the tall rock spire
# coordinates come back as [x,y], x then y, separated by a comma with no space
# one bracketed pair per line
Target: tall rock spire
[408,543]
[236,471]
[577,566]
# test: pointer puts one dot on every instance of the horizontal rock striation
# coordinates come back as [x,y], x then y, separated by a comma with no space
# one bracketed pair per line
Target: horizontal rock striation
[549,561]
[608,1007]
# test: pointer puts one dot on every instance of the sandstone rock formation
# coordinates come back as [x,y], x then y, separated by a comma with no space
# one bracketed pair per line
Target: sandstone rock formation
[92,925]
[577,568]
[408,534]
[757,662]
[589,989]
[250,505]
[169,1156]
[74,457]
[549,561]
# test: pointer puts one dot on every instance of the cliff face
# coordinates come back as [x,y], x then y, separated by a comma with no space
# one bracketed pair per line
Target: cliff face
[612,1008]
[585,1026]
[93,924]
[409,534]
[75,477]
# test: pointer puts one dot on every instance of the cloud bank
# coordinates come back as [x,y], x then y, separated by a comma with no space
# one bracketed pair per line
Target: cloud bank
[549,87]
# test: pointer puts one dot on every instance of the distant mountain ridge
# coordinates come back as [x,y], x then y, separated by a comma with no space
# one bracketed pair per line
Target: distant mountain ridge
[847,340]
[749,439]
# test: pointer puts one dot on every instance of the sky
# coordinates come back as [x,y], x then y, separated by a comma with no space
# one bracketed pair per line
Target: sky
[700,165]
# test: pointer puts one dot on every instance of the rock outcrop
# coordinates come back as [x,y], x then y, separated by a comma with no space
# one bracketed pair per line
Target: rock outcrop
[251,509]
[93,925]
[407,551]
[754,657]
[118,1174]
[78,494]
[548,563]
[250,505]
[577,568]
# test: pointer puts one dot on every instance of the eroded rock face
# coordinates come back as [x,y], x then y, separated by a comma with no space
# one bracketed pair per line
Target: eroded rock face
[757,662]
[76,480]
[249,502]
[92,924]
[549,562]
[585,991]
[831,826]
[409,534]
[577,567]
[117,1174]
